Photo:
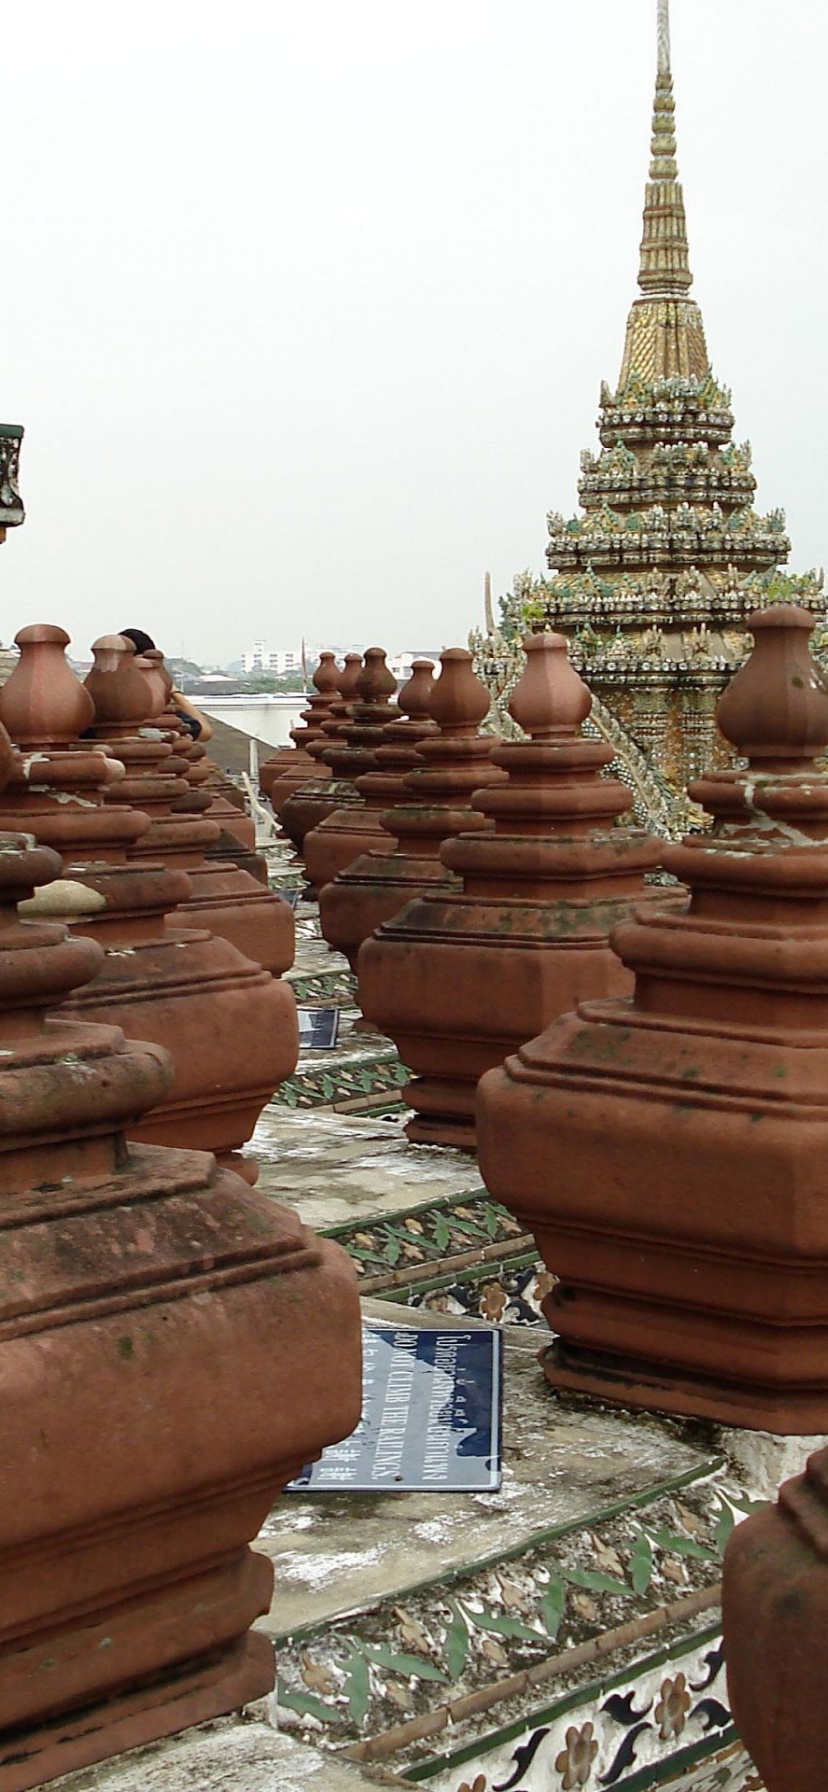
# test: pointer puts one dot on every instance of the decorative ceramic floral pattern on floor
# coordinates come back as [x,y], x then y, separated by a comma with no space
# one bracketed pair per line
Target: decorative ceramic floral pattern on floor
[672,1710]
[318,988]
[511,1293]
[423,1255]
[728,1771]
[448,1644]
[353,1074]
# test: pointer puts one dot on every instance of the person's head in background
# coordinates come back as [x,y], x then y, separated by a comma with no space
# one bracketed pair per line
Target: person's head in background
[141,641]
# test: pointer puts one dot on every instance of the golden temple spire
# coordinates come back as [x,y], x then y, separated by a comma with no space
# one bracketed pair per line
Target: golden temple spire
[665,333]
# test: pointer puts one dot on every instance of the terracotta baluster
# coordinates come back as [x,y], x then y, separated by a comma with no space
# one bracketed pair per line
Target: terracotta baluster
[669,1152]
[313,801]
[464,974]
[153,666]
[210,792]
[229,1026]
[42,684]
[291,767]
[337,840]
[127,723]
[224,896]
[359,825]
[345,917]
[221,800]
[144,1291]
[775,1611]
[452,761]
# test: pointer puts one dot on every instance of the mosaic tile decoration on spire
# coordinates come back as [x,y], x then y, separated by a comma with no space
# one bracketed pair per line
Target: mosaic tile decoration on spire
[654,578]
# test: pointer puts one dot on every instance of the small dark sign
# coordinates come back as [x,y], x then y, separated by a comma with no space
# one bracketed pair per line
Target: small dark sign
[430,1416]
[318,1028]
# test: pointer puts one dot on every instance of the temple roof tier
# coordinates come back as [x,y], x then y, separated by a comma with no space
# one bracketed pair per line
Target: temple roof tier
[669,410]
[669,476]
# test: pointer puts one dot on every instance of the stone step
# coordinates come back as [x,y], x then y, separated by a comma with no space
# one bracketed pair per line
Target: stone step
[335,986]
[243,1753]
[361,1071]
[421,1254]
[341,1168]
[455,1636]
[536,1636]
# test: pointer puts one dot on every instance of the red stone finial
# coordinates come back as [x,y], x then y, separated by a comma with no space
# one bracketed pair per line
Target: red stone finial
[327,675]
[776,707]
[459,701]
[347,678]
[415,697]
[43,702]
[151,664]
[304,808]
[117,687]
[289,768]
[375,683]
[354,902]
[549,699]
[471,969]
[338,839]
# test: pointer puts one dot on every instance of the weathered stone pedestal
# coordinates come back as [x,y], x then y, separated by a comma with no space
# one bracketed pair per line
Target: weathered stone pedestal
[451,763]
[464,974]
[669,1152]
[172,1349]
[338,839]
[291,767]
[307,806]
[775,1609]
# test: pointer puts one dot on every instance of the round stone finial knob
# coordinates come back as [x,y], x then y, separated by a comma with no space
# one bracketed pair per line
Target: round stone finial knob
[415,697]
[459,698]
[42,702]
[776,707]
[347,679]
[375,683]
[549,698]
[326,676]
[151,665]
[116,685]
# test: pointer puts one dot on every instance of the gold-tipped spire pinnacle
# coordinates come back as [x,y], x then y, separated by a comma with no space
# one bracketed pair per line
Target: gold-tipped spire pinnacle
[665,333]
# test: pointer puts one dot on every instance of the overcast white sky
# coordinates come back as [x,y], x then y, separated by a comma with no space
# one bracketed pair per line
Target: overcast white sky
[306,305]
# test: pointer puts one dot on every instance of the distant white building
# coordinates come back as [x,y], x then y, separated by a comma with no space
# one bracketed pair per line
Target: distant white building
[276,662]
[401,663]
[264,659]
